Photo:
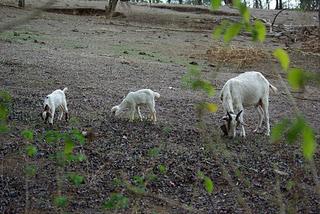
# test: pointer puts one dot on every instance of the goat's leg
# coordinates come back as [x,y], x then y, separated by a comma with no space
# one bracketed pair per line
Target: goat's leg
[132,112]
[139,113]
[242,131]
[265,107]
[65,110]
[260,114]
[153,112]
[52,116]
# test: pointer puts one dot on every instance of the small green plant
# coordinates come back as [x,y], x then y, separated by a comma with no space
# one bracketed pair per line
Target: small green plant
[76,179]
[30,170]
[162,168]
[5,101]
[167,129]
[61,201]
[207,182]
[154,152]
[116,201]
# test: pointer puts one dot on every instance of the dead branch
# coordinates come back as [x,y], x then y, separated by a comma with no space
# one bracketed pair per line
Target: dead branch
[274,19]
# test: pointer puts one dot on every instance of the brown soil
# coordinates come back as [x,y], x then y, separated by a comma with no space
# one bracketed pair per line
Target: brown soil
[100,61]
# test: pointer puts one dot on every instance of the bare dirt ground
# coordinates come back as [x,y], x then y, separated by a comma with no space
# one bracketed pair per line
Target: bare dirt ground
[101,61]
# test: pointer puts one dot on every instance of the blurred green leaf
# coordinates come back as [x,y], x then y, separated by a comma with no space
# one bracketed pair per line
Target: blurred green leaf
[162,169]
[279,129]
[31,150]
[52,136]
[296,78]
[61,201]
[80,157]
[117,182]
[138,180]
[283,58]
[28,135]
[208,184]
[116,201]
[220,29]
[232,31]
[200,175]
[5,97]
[212,107]
[309,145]
[30,170]
[205,86]
[154,152]
[260,31]
[78,136]
[151,177]
[3,127]
[76,179]
[215,4]
[68,145]
[244,11]
[295,129]
[4,112]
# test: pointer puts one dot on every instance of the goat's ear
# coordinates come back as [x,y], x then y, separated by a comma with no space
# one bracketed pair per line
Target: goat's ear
[238,115]
[226,118]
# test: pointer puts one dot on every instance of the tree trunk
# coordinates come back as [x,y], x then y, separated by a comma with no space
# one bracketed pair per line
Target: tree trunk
[111,8]
[21,3]
[169,1]
[180,1]
[199,2]
[280,5]
[228,2]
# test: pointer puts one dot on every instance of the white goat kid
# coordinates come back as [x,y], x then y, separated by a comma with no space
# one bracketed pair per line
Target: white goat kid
[52,102]
[136,99]
[247,89]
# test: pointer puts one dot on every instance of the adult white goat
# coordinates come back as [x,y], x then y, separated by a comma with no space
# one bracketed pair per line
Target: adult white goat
[52,102]
[247,89]
[135,99]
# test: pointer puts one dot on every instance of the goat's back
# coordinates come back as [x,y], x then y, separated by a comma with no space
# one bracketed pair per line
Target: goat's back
[247,88]
[56,98]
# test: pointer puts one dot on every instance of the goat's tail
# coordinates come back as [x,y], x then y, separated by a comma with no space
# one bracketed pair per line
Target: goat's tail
[156,94]
[274,89]
[65,89]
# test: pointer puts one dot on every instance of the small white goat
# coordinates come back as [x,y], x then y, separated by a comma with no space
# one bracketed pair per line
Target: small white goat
[52,102]
[134,100]
[247,89]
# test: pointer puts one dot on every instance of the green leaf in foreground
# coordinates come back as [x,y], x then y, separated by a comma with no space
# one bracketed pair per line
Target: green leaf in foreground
[260,31]
[31,150]
[116,201]
[296,78]
[61,201]
[283,58]
[309,145]
[27,134]
[278,130]
[215,4]
[30,170]
[232,31]
[208,184]
[76,179]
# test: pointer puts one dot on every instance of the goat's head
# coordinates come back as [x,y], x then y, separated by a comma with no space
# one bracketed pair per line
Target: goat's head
[115,110]
[231,122]
[46,113]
